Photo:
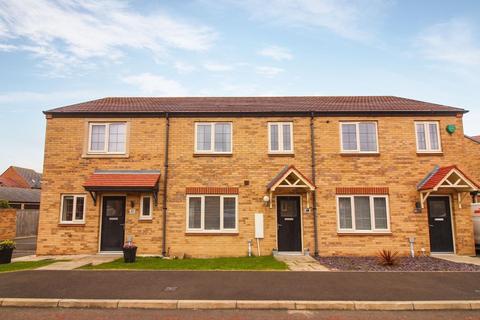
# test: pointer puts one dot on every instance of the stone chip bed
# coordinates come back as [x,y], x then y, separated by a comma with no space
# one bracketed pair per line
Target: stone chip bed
[341,263]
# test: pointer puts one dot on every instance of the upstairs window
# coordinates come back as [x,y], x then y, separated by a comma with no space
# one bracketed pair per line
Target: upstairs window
[359,137]
[72,209]
[428,137]
[363,214]
[107,138]
[213,137]
[211,213]
[280,137]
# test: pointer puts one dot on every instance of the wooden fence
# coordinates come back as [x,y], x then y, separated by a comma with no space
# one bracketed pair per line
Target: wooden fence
[27,222]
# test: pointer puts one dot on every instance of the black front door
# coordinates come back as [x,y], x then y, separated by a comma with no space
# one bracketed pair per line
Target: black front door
[113,223]
[439,220]
[289,225]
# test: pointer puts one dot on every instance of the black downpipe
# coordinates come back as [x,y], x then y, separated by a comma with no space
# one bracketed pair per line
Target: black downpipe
[165,180]
[314,195]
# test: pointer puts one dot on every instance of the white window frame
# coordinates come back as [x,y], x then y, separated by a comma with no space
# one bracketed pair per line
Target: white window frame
[426,125]
[212,138]
[372,214]
[357,131]
[75,197]
[280,150]
[149,216]
[202,214]
[107,137]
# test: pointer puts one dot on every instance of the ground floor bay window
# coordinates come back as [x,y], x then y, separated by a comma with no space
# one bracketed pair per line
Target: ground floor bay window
[212,213]
[363,213]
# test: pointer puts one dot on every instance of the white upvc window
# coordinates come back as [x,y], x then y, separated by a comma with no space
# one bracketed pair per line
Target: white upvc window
[363,213]
[212,213]
[359,137]
[146,208]
[428,136]
[280,137]
[107,137]
[213,137]
[72,209]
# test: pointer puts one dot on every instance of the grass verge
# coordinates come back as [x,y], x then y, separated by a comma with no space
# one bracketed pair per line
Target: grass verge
[157,263]
[25,265]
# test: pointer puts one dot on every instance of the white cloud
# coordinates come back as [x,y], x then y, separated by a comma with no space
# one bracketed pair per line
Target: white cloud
[276,53]
[352,19]
[156,85]
[183,67]
[452,42]
[269,72]
[217,67]
[71,31]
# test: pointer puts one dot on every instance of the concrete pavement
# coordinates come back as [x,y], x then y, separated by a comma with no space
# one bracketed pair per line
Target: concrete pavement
[128,314]
[237,285]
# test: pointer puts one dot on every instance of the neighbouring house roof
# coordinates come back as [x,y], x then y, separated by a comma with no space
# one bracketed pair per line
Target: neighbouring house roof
[448,177]
[122,180]
[30,178]
[290,176]
[255,105]
[475,138]
[21,195]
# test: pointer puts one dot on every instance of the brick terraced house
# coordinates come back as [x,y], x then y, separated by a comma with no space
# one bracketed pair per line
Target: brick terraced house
[204,176]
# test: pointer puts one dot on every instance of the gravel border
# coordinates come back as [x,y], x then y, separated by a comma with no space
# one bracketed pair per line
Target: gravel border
[341,263]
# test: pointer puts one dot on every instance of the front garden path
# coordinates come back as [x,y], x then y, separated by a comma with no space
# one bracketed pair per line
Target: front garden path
[301,263]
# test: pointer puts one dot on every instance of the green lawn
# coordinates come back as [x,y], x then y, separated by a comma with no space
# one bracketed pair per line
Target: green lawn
[24,265]
[157,263]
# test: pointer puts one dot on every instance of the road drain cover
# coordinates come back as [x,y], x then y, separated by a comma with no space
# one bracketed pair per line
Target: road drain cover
[170,289]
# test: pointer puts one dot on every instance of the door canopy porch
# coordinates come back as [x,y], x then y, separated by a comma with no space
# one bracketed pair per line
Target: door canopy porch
[446,179]
[290,177]
[144,181]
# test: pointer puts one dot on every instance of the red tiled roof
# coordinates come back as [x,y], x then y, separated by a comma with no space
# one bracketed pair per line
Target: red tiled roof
[326,104]
[475,138]
[211,190]
[7,182]
[437,176]
[123,180]
[361,190]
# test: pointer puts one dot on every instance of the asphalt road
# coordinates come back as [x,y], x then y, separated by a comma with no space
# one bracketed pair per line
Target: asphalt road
[250,285]
[130,314]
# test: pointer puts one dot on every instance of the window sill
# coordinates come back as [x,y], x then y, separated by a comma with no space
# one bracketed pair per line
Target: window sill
[80,224]
[104,155]
[426,154]
[145,220]
[213,154]
[201,233]
[281,154]
[360,154]
[342,233]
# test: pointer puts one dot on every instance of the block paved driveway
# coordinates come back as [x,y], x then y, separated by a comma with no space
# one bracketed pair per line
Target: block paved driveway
[250,285]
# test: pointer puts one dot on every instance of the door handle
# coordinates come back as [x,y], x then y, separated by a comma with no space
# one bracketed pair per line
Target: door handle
[122,224]
[279,225]
[432,225]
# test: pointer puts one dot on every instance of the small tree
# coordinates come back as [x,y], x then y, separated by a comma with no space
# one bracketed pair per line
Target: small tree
[4,204]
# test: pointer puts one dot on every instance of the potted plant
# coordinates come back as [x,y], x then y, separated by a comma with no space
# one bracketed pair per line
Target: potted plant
[129,252]
[6,250]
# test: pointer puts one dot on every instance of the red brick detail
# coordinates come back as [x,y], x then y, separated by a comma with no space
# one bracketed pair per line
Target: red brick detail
[441,173]
[211,190]
[362,190]
[122,180]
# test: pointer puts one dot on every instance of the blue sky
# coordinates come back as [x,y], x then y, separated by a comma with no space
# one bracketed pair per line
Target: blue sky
[54,53]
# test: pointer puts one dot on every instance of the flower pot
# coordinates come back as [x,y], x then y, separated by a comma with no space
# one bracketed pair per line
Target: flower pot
[129,254]
[6,255]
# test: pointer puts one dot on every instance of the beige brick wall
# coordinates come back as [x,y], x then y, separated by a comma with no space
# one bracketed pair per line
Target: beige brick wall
[397,166]
[8,224]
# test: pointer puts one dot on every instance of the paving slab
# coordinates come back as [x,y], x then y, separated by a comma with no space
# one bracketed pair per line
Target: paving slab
[88,303]
[324,305]
[383,305]
[207,304]
[301,263]
[75,262]
[30,302]
[458,259]
[441,305]
[148,304]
